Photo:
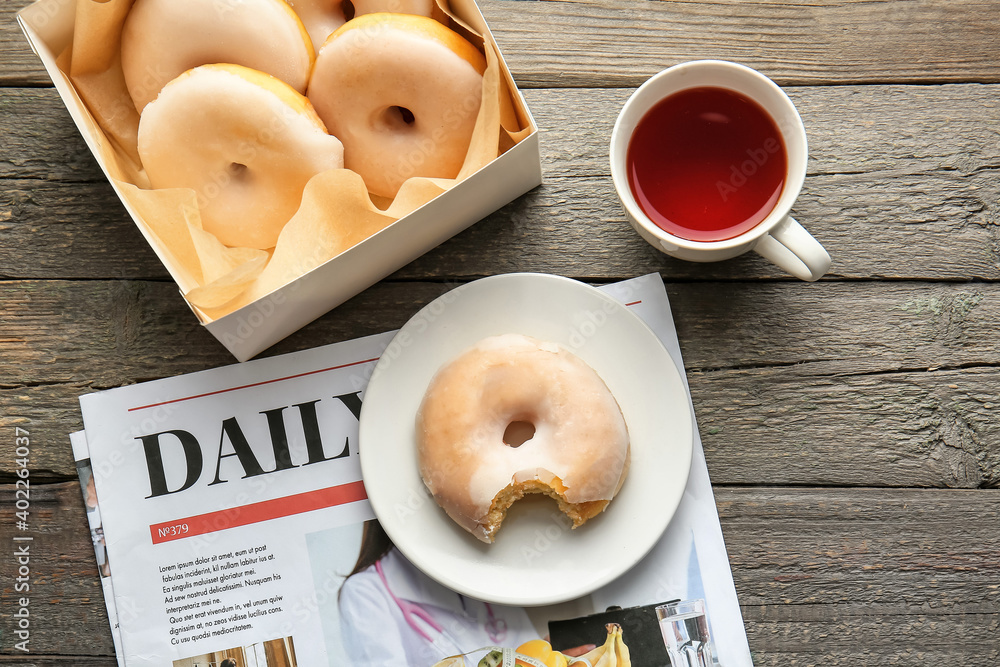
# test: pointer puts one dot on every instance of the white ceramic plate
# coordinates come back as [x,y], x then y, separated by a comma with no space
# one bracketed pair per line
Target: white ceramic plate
[536,559]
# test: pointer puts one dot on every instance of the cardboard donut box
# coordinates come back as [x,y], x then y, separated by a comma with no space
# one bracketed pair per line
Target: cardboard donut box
[48,26]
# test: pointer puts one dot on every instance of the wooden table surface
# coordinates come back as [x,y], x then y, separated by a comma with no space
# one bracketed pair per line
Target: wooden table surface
[850,425]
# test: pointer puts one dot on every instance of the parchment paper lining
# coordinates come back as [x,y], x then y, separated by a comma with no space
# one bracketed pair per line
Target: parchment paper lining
[336,210]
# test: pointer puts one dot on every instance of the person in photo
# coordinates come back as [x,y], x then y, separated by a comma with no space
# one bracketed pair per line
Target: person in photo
[392,614]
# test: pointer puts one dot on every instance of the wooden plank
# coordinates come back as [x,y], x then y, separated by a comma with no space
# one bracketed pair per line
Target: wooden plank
[19,66]
[40,139]
[910,197]
[838,328]
[852,129]
[610,43]
[119,321]
[49,413]
[928,226]
[872,636]
[824,576]
[71,230]
[869,129]
[793,426]
[890,384]
[766,426]
[56,330]
[68,617]
[865,577]
[620,43]
[108,333]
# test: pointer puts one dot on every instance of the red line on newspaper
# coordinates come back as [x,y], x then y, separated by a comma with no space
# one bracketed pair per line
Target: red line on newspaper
[634,303]
[254,384]
[266,510]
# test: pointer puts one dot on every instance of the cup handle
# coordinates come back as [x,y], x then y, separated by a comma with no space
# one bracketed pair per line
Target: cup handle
[794,249]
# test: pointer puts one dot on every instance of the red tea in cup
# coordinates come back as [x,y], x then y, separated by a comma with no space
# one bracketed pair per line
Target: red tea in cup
[706,164]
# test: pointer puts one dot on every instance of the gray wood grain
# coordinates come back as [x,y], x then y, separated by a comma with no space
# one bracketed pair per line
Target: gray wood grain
[620,43]
[871,129]
[917,198]
[854,384]
[761,427]
[824,576]
[786,426]
[108,333]
[607,43]
[866,577]
[18,64]
[915,429]
[40,138]
[849,426]
[872,636]
[68,617]
[922,226]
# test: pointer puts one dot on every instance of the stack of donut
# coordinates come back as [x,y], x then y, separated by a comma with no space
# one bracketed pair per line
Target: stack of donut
[243,101]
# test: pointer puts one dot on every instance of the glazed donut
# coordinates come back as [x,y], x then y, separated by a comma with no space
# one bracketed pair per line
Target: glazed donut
[402,92]
[322,17]
[512,388]
[163,38]
[244,141]
[428,8]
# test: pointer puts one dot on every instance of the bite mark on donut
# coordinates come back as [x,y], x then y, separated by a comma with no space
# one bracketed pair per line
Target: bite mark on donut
[578,513]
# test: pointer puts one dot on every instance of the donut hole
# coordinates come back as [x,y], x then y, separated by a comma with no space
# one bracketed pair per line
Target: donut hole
[238,170]
[348,8]
[397,118]
[406,115]
[518,432]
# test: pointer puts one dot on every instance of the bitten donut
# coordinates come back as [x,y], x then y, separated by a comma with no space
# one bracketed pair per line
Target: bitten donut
[163,38]
[245,142]
[402,92]
[512,388]
[322,17]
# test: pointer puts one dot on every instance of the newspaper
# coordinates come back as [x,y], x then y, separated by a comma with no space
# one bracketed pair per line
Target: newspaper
[85,472]
[237,531]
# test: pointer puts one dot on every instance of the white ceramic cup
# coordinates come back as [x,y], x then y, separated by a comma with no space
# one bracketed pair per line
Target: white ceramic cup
[778,237]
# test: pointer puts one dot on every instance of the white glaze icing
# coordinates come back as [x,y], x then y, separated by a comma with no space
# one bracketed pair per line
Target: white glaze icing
[163,38]
[244,150]
[364,76]
[428,8]
[580,435]
[320,17]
